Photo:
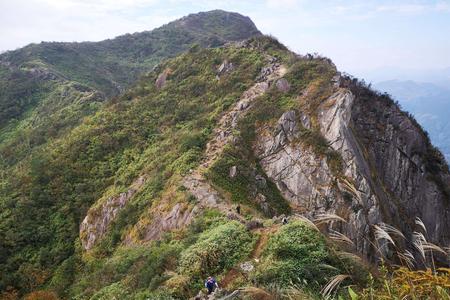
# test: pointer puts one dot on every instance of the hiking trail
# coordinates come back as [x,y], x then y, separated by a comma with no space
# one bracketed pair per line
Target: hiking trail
[255,255]
[195,182]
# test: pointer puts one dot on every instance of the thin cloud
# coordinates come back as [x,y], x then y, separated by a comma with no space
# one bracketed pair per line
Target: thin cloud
[282,4]
[414,8]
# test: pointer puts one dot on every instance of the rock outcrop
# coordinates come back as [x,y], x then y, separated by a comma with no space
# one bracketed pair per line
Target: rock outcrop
[175,218]
[384,176]
[162,78]
[407,177]
[99,217]
[224,68]
[223,135]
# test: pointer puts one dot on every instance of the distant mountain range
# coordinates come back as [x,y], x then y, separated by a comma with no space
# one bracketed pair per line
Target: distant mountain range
[439,77]
[428,102]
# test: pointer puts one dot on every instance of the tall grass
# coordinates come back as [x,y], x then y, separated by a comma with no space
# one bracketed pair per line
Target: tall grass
[402,275]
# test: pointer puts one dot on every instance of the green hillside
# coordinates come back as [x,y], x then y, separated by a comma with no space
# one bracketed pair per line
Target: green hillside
[47,88]
[111,189]
[157,133]
[146,130]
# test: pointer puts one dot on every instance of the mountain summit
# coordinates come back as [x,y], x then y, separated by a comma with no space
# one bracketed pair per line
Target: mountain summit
[108,67]
[268,170]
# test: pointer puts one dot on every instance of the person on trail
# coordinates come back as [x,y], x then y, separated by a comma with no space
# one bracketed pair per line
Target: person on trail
[211,284]
[238,209]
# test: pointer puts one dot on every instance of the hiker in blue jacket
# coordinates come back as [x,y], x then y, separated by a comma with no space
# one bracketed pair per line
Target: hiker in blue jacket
[211,284]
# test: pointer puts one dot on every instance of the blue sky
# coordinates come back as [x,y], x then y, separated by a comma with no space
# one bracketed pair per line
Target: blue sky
[360,36]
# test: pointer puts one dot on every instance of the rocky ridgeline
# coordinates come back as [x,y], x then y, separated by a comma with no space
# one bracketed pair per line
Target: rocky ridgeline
[99,217]
[167,217]
[195,182]
[384,177]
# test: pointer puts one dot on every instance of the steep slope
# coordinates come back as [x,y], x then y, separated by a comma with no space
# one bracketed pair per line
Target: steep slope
[379,166]
[428,103]
[138,201]
[48,88]
[152,130]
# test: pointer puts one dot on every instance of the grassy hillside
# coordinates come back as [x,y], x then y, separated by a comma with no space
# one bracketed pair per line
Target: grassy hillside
[46,89]
[159,130]
[156,132]
[159,133]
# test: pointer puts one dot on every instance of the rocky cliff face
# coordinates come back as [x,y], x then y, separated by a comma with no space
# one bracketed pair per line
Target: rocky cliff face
[384,173]
[99,217]
[408,179]
[384,176]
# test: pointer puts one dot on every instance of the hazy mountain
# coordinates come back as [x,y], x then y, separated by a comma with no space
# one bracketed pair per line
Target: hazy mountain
[439,77]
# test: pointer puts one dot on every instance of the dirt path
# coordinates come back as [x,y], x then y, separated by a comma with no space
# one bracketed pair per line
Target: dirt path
[223,135]
[262,241]
[196,183]
[254,256]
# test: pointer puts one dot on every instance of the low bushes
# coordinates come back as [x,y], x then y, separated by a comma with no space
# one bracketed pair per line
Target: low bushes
[216,250]
[296,254]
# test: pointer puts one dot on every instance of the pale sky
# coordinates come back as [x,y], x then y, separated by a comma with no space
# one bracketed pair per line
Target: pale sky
[359,36]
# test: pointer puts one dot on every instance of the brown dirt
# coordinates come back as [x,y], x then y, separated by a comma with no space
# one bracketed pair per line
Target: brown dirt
[230,277]
[234,273]
[262,241]
[257,294]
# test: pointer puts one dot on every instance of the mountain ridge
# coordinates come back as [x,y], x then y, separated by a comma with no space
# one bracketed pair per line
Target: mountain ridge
[138,200]
[48,88]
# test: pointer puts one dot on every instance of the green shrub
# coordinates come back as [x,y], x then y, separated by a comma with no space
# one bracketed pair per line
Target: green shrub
[63,276]
[295,254]
[146,295]
[114,291]
[142,266]
[216,250]
[298,241]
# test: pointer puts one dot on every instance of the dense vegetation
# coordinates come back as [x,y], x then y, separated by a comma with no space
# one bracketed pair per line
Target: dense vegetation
[48,88]
[145,131]
[68,146]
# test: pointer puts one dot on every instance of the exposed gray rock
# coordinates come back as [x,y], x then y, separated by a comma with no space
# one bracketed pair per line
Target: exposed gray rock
[286,131]
[232,216]
[42,73]
[225,67]
[260,181]
[305,120]
[253,224]
[336,80]
[178,217]
[99,217]
[162,78]
[288,124]
[246,266]
[261,200]
[397,150]
[283,85]
[392,149]
[233,172]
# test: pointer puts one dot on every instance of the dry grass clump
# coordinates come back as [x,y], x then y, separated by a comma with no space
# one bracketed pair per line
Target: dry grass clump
[406,274]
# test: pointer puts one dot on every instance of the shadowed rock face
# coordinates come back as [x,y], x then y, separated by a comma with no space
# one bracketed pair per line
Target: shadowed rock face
[408,185]
[384,176]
